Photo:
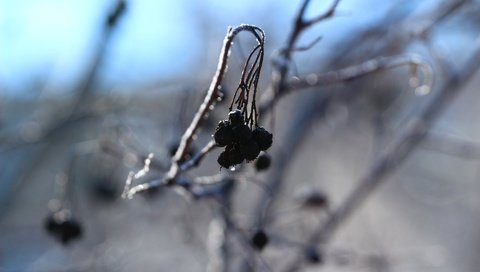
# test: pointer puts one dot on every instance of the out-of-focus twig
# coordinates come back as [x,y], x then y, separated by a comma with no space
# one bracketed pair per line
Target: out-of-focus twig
[453,146]
[393,155]
[284,58]
[218,233]
[367,67]
[48,121]
[354,72]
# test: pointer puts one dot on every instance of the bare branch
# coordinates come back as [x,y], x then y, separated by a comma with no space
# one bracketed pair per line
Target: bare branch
[328,14]
[411,135]
[195,161]
[354,72]
[453,146]
[363,69]
[308,46]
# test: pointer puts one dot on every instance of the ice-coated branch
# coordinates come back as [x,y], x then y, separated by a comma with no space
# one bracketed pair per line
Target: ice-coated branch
[354,72]
[213,92]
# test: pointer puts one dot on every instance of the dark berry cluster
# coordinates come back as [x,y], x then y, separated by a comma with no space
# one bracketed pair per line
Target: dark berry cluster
[240,141]
[62,227]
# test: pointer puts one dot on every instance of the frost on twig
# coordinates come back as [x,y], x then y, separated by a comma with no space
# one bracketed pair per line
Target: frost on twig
[422,85]
[127,193]
[414,62]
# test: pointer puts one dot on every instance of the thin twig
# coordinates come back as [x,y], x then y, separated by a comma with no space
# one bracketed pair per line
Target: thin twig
[308,46]
[365,68]
[453,146]
[354,72]
[195,161]
[328,14]
[219,231]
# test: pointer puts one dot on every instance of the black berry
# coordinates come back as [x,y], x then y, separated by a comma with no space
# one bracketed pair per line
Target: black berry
[313,256]
[236,117]
[63,229]
[235,155]
[259,240]
[263,162]
[51,225]
[223,134]
[250,150]
[224,159]
[230,157]
[242,134]
[70,230]
[263,138]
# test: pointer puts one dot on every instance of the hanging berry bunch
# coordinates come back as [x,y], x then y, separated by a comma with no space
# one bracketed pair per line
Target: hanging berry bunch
[240,134]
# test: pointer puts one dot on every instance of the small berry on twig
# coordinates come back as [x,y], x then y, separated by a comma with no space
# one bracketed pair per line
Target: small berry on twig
[263,138]
[223,134]
[259,240]
[263,162]
[62,227]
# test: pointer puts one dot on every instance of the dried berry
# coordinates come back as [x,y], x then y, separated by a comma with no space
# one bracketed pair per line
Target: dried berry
[64,229]
[259,239]
[235,156]
[263,138]
[244,115]
[242,134]
[236,118]
[230,157]
[70,230]
[250,150]
[263,162]
[224,159]
[51,224]
[223,134]
[313,256]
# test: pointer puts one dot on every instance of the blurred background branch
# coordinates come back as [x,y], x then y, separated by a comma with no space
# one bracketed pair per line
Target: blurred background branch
[379,94]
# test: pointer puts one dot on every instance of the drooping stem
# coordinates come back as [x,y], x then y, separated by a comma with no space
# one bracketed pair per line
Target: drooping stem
[212,94]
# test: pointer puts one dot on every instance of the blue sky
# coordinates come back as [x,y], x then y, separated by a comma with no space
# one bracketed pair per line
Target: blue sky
[47,42]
